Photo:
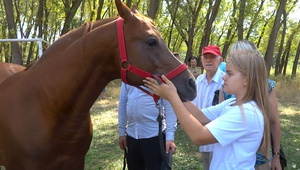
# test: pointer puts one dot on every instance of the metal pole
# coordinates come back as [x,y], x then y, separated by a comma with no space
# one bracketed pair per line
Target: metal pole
[20,40]
[39,41]
[40,48]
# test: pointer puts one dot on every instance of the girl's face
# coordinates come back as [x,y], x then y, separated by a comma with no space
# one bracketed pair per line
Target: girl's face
[234,82]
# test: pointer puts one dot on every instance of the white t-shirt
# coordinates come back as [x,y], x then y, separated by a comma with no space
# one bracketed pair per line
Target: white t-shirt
[205,94]
[239,132]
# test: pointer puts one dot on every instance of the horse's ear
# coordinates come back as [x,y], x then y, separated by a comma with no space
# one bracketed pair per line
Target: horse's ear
[123,10]
[135,10]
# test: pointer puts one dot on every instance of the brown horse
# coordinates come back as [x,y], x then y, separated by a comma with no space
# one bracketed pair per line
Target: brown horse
[9,69]
[44,120]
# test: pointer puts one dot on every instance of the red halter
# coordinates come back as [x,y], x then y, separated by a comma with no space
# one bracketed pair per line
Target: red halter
[135,70]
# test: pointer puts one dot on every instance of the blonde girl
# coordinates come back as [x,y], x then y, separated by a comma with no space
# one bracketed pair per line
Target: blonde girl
[238,126]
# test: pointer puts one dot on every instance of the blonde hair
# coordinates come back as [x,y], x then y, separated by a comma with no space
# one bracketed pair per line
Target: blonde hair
[247,59]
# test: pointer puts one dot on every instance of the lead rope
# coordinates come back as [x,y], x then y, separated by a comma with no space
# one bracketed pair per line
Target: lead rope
[167,158]
[124,159]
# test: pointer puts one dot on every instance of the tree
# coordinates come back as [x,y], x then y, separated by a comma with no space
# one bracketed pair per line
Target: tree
[273,36]
[70,11]
[296,60]
[263,30]
[210,18]
[154,4]
[240,23]
[128,3]
[286,54]
[12,32]
[100,6]
[185,21]
[187,25]
[230,35]
[255,19]
[283,34]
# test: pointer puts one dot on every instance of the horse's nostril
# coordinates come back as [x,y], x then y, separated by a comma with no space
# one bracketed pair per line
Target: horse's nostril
[192,83]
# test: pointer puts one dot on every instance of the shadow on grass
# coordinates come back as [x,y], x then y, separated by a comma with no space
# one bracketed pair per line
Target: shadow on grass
[290,139]
[104,152]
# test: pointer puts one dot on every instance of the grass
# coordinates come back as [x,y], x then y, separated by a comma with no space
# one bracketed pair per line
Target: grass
[105,154]
[288,93]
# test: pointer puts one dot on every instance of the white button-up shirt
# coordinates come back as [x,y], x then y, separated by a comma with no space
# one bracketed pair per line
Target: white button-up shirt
[137,114]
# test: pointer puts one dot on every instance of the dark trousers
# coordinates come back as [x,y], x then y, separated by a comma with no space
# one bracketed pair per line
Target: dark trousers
[143,154]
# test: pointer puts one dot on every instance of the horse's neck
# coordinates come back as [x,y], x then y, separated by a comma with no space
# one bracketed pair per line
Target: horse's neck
[69,38]
[81,71]
[63,42]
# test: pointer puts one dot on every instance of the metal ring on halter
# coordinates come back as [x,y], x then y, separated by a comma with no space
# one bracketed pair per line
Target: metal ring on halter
[158,79]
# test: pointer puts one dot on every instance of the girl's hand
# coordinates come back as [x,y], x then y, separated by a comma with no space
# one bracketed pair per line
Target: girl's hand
[165,90]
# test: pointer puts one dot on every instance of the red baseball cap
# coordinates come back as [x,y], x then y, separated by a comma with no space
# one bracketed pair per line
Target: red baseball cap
[212,49]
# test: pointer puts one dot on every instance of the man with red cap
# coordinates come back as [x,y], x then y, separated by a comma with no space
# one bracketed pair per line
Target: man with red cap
[207,84]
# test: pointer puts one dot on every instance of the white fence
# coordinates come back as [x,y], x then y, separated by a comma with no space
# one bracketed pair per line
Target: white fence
[38,40]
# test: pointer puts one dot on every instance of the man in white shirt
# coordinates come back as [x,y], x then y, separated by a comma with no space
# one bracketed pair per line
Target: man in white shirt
[207,84]
[139,128]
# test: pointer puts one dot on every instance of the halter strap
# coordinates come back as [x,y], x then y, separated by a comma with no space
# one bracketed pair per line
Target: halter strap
[123,56]
[126,66]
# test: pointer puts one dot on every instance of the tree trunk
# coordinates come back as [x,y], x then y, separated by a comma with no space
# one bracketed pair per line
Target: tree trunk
[229,32]
[264,29]
[154,4]
[195,16]
[277,59]
[282,59]
[240,23]
[128,3]
[254,19]
[70,13]
[273,36]
[296,60]
[101,2]
[286,59]
[12,32]
[177,2]
[210,18]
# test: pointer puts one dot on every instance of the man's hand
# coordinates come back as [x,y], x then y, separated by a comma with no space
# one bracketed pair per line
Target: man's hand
[122,142]
[170,145]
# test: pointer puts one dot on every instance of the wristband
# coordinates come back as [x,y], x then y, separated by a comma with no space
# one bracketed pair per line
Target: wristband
[276,153]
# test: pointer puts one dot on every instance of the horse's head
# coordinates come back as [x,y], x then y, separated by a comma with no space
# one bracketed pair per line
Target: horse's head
[148,54]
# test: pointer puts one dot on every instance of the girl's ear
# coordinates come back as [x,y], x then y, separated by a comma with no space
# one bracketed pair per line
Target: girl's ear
[245,82]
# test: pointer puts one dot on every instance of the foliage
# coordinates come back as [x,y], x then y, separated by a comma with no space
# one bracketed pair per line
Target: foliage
[180,23]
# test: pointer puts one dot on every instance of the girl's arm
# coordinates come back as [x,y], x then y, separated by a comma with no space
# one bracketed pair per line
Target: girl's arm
[188,115]
[275,128]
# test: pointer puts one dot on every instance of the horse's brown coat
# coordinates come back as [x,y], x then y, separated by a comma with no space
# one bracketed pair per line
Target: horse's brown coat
[9,69]
[44,120]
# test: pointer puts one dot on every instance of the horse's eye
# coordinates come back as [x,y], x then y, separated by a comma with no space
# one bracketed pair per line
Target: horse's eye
[151,41]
